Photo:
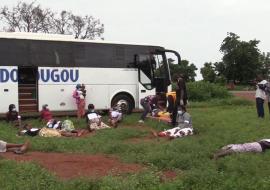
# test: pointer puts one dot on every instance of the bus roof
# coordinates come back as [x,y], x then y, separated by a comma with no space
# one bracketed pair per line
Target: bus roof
[58,37]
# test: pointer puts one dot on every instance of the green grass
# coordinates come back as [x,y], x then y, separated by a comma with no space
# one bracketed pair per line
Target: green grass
[218,122]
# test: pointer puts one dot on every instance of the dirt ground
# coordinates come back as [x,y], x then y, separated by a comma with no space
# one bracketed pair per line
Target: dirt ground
[68,166]
[249,95]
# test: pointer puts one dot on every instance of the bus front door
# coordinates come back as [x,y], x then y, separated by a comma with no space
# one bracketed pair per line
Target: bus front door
[8,87]
[27,89]
[145,76]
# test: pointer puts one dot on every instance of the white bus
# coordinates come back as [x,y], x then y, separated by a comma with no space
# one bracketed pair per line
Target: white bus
[37,69]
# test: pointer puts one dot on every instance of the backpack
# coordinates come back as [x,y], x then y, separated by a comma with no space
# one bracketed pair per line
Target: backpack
[68,126]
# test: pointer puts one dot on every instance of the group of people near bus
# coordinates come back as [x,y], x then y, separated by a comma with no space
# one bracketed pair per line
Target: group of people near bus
[57,128]
[171,105]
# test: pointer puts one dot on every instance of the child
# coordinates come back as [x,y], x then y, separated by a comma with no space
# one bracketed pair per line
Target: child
[115,116]
[76,95]
[13,116]
[93,119]
[16,148]
[45,114]
[82,94]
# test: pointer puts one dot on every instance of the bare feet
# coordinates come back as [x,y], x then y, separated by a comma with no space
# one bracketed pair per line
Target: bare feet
[25,146]
[154,133]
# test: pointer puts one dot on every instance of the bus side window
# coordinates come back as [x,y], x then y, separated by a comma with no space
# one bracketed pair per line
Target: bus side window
[144,64]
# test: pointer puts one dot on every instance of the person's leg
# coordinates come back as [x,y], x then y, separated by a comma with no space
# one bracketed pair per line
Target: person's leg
[269,107]
[10,145]
[82,108]
[259,106]
[18,148]
[146,110]
[68,134]
[174,114]
[222,153]
[78,111]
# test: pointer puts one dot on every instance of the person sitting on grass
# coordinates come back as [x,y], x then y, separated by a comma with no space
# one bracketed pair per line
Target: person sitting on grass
[255,147]
[45,114]
[93,119]
[115,116]
[184,126]
[12,116]
[183,119]
[16,148]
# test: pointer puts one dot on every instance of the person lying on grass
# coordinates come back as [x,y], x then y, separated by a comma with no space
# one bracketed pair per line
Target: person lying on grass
[93,119]
[256,147]
[184,126]
[50,132]
[173,133]
[16,148]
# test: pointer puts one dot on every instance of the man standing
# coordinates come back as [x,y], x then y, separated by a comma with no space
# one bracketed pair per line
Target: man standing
[260,97]
[181,96]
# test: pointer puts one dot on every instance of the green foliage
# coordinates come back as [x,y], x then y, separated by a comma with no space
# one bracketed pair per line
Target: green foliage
[208,72]
[240,58]
[185,68]
[202,91]
[234,101]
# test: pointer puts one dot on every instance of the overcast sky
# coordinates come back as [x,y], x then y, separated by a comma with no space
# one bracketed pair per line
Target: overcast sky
[194,28]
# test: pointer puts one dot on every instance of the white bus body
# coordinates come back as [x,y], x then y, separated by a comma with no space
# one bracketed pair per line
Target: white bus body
[34,81]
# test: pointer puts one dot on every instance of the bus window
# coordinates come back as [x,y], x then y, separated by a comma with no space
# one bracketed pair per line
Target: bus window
[145,71]
[158,66]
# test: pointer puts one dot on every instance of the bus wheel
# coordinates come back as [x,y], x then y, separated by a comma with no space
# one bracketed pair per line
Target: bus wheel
[124,102]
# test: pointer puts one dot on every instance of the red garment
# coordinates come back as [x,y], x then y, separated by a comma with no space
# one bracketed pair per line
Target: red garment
[76,95]
[46,115]
[81,108]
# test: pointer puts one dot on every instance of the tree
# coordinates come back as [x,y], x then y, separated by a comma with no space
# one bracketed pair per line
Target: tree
[265,65]
[240,58]
[208,72]
[26,18]
[31,17]
[188,70]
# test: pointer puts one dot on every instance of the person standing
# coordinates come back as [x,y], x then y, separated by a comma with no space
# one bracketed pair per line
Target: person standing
[181,96]
[76,94]
[260,96]
[81,108]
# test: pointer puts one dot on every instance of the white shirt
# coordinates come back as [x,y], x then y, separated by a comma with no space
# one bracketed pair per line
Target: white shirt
[116,114]
[246,147]
[260,93]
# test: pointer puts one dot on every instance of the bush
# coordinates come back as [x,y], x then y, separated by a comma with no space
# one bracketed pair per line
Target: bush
[202,91]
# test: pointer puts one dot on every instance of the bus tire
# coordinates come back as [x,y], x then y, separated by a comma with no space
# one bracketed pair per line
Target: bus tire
[126,103]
